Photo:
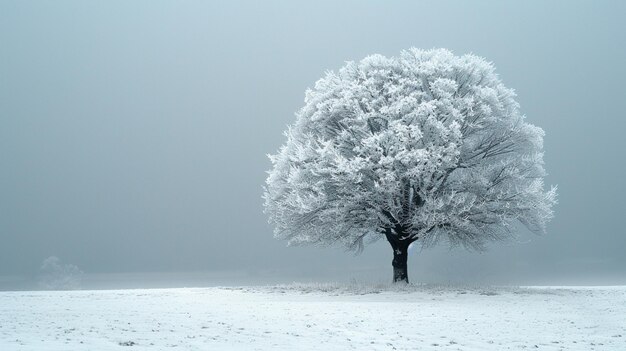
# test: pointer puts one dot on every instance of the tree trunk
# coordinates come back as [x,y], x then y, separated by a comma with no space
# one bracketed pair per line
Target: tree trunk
[399,263]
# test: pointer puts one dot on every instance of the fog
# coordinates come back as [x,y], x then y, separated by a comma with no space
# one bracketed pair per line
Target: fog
[133,135]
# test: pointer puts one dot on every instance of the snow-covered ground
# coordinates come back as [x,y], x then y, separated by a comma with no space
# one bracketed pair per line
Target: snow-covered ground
[317,317]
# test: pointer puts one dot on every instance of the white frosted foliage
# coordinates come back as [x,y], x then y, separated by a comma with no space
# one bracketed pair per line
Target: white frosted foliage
[425,146]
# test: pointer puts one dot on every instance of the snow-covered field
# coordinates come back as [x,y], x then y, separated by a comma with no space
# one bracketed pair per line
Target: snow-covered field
[316,317]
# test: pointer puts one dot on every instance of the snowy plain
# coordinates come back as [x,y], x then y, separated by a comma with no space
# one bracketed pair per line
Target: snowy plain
[316,317]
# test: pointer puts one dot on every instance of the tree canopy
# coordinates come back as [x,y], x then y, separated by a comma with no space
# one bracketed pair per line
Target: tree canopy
[424,146]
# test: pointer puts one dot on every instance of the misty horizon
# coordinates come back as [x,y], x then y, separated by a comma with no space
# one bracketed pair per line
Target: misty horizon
[135,137]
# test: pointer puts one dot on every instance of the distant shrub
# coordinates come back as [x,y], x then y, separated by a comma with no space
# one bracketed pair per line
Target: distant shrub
[54,275]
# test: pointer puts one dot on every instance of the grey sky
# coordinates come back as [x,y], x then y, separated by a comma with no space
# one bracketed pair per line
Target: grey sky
[133,134]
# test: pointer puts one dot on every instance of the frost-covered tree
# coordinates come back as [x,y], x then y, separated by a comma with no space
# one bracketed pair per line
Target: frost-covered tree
[425,146]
